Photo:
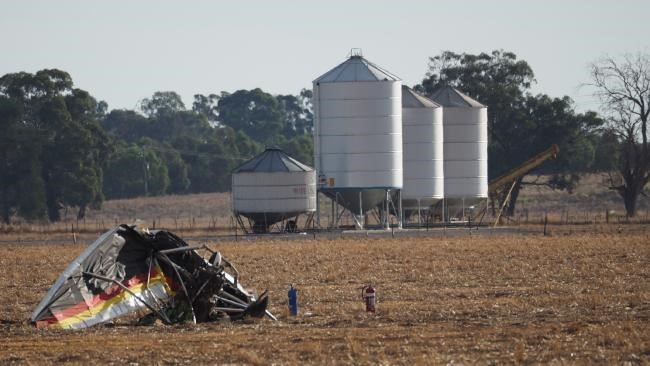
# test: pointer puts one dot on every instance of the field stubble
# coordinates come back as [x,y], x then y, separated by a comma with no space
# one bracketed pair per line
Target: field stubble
[578,299]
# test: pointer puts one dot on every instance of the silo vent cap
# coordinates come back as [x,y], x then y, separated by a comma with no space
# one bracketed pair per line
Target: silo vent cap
[356,53]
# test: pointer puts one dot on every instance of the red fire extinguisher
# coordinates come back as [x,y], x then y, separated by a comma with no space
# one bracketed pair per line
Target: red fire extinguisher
[369,296]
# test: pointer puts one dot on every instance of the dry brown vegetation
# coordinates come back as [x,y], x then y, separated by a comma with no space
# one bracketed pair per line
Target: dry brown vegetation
[482,299]
[591,197]
[210,213]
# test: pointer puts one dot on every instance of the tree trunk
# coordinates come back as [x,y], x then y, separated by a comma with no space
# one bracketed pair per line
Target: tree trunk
[630,194]
[5,215]
[82,212]
[52,206]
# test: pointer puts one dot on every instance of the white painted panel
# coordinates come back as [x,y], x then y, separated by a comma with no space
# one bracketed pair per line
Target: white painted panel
[357,125]
[276,192]
[464,116]
[417,150]
[433,188]
[368,179]
[465,151]
[466,133]
[422,116]
[456,169]
[360,107]
[423,153]
[418,133]
[361,162]
[361,144]
[272,206]
[465,187]
[358,134]
[423,169]
[359,90]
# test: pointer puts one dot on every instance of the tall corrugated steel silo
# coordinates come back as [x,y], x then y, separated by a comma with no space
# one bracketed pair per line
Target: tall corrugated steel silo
[465,146]
[358,134]
[423,151]
[273,187]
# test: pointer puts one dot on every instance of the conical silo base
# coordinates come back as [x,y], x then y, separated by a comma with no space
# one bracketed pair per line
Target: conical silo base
[262,221]
[357,202]
[419,211]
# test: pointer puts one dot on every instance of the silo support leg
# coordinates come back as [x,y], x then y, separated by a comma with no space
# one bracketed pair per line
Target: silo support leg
[310,220]
[241,223]
[386,210]
[335,210]
[318,209]
[359,219]
[400,210]
[333,215]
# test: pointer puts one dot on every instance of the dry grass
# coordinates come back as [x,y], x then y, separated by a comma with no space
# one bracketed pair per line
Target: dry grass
[591,197]
[562,299]
[591,203]
[208,211]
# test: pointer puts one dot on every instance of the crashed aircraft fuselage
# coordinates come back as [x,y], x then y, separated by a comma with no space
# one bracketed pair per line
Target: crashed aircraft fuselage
[128,270]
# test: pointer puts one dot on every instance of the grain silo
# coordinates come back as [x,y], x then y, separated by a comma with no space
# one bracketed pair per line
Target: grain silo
[273,188]
[423,153]
[358,135]
[465,148]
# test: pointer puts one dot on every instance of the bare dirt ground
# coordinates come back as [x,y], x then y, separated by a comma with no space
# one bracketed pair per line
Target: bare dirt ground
[577,299]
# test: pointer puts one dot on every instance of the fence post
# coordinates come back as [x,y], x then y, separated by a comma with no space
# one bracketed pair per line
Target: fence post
[545,222]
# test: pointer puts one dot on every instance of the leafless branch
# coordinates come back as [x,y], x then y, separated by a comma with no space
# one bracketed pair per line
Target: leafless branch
[623,87]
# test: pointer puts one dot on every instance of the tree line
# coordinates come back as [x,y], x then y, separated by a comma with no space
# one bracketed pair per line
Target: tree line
[61,148]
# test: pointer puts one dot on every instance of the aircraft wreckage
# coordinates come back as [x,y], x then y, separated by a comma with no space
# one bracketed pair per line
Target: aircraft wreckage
[129,270]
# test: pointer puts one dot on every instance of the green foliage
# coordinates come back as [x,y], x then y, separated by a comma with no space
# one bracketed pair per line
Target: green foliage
[298,117]
[177,168]
[300,147]
[61,148]
[206,105]
[167,126]
[162,102]
[69,147]
[607,152]
[22,189]
[129,169]
[126,125]
[254,112]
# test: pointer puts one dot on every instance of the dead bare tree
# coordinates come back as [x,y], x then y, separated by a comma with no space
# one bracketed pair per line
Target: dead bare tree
[623,87]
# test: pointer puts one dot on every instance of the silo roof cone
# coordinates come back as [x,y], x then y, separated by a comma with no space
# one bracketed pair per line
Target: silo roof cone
[411,99]
[273,160]
[356,68]
[449,96]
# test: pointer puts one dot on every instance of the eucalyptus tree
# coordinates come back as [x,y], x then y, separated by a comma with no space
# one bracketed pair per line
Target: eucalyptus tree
[67,147]
[623,86]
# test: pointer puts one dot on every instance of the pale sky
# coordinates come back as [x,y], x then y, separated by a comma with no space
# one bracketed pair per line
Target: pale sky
[123,51]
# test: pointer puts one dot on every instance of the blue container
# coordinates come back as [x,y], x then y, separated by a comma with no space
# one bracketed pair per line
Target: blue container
[293,301]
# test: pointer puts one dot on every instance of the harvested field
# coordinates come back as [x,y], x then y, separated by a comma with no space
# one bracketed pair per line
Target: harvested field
[519,299]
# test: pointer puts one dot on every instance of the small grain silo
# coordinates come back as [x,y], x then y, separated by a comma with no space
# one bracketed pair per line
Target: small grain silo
[273,188]
[465,148]
[423,153]
[358,135]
